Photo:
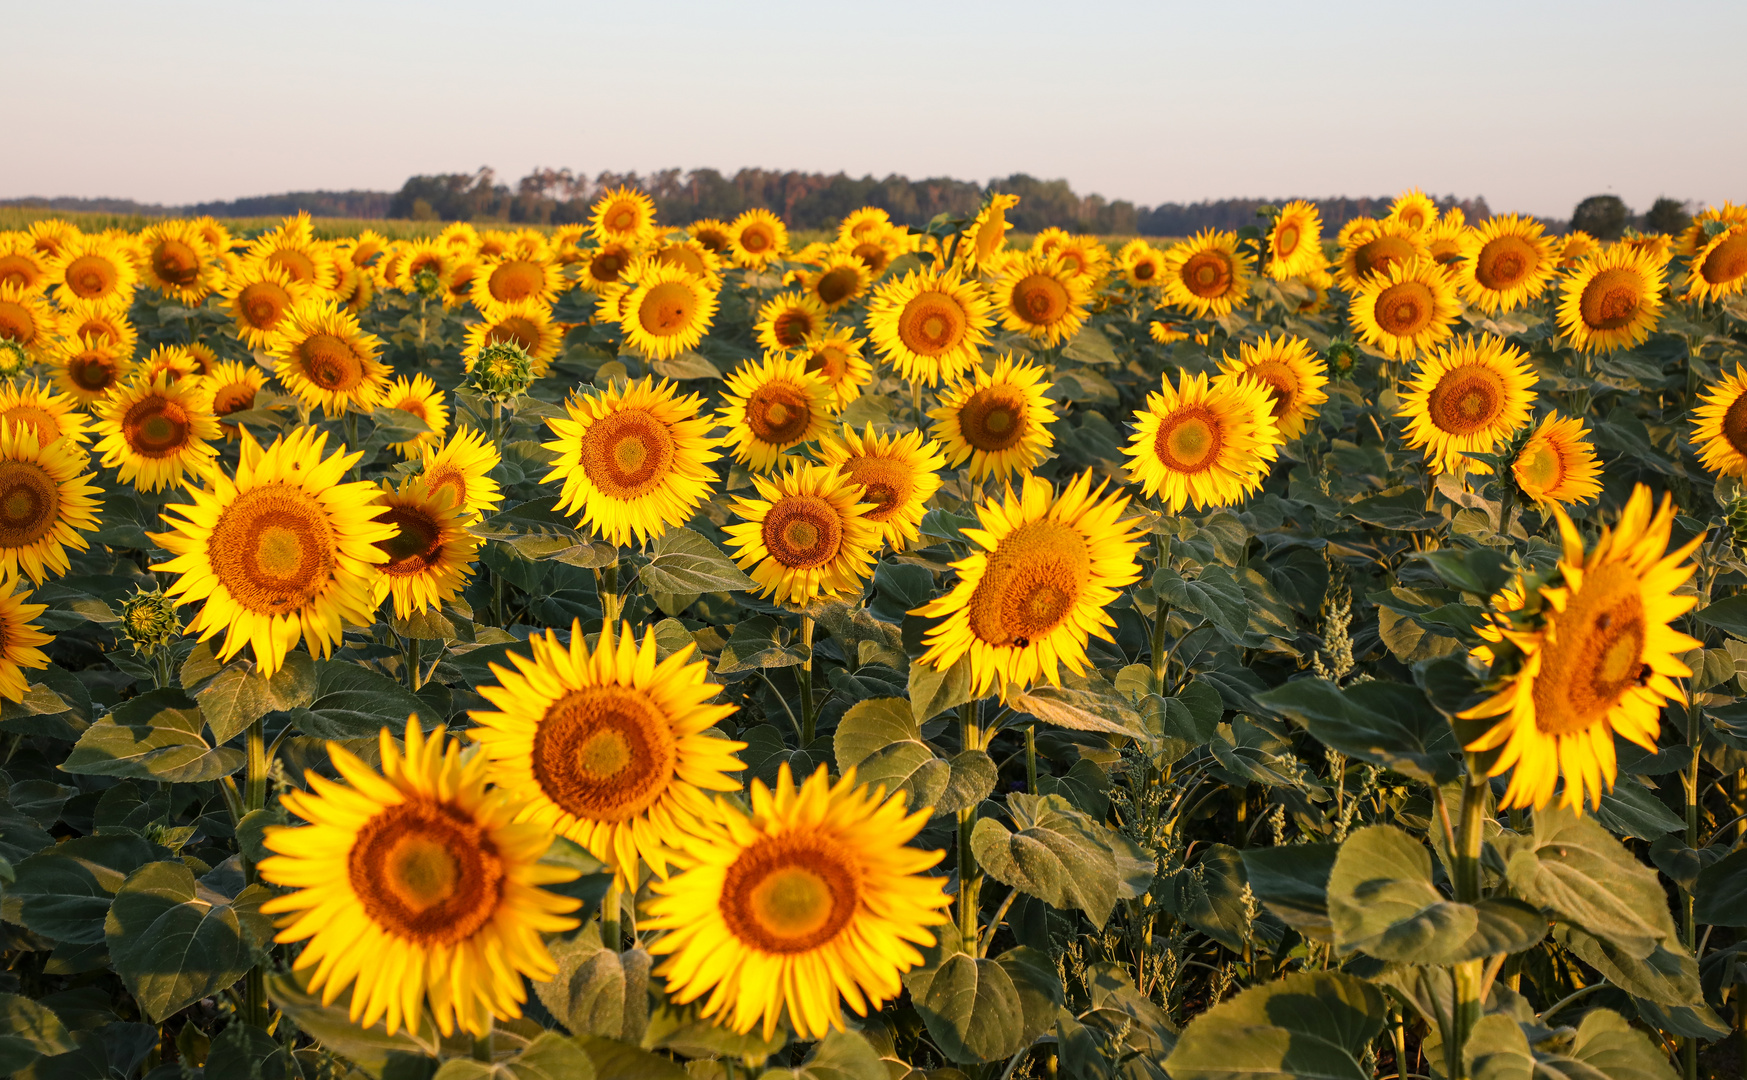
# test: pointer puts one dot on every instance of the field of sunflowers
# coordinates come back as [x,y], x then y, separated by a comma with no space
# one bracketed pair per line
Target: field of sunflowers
[636,650]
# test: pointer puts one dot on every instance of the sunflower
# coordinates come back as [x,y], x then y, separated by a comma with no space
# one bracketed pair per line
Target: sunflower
[27,319]
[1557,463]
[858,224]
[51,235]
[757,238]
[1166,333]
[178,263]
[692,257]
[1579,245]
[877,249]
[668,311]
[622,214]
[53,416]
[260,296]
[1468,397]
[788,320]
[1375,249]
[1601,662]
[1444,240]
[1035,593]
[806,535]
[835,356]
[998,420]
[234,388]
[1293,373]
[458,286]
[94,269]
[1505,262]
[19,638]
[605,266]
[293,248]
[1317,284]
[929,324]
[172,360]
[1705,226]
[1207,275]
[491,243]
[1082,256]
[1719,268]
[1414,209]
[634,460]
[841,279]
[1720,425]
[463,466]
[608,746]
[1612,300]
[420,397]
[1142,265]
[417,887]
[44,504]
[281,553]
[366,249]
[515,278]
[526,323]
[897,475]
[772,406]
[434,257]
[88,368]
[987,235]
[326,359]
[21,265]
[714,234]
[1202,442]
[1405,309]
[1039,296]
[432,555]
[1659,246]
[811,900]
[158,431]
[1295,241]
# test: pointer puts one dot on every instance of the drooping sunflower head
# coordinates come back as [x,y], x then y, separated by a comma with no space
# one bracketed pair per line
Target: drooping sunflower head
[1034,590]
[1414,209]
[1142,265]
[607,744]
[526,324]
[1444,239]
[634,459]
[604,267]
[929,324]
[19,638]
[326,359]
[417,887]
[52,416]
[1041,297]
[89,367]
[259,297]
[44,504]
[667,312]
[1720,425]
[1407,309]
[987,235]
[1505,262]
[21,265]
[158,432]
[714,234]
[1612,300]
[810,901]
[897,475]
[1598,659]
[1376,249]
[178,263]
[1207,275]
[1295,241]
[835,356]
[757,238]
[419,397]
[1719,268]
[998,420]
[1204,442]
[788,319]
[462,466]
[1578,246]
[622,214]
[806,534]
[1557,463]
[430,557]
[1293,373]
[1468,397]
[94,269]
[235,388]
[771,406]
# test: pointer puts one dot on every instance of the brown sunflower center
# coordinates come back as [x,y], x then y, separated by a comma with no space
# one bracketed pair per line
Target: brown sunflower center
[667,308]
[830,362]
[885,482]
[176,262]
[1190,439]
[1208,274]
[778,413]
[38,419]
[263,304]
[757,238]
[1540,468]
[1595,653]
[330,362]
[30,503]
[297,265]
[607,266]
[802,532]
[792,327]
[1033,578]
[1145,270]
[713,240]
[1444,250]
[19,270]
[1286,240]
[273,548]
[1727,261]
[1466,400]
[516,330]
[1379,253]
[91,277]
[1040,299]
[426,872]
[1505,263]
[234,397]
[1612,298]
[17,322]
[932,323]
[1405,308]
[627,454]
[994,418]
[790,893]
[450,479]
[872,256]
[417,547]
[838,285]
[604,753]
[93,370]
[1735,424]
[516,280]
[1282,383]
[156,427]
[623,218]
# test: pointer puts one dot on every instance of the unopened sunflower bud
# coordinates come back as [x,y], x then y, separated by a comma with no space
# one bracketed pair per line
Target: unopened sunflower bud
[13,358]
[148,620]
[502,371]
[426,283]
[1342,358]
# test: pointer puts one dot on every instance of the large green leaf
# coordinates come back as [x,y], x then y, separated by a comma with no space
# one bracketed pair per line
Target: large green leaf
[1308,1026]
[587,995]
[1571,867]
[371,1049]
[156,736]
[932,691]
[981,1009]
[613,1060]
[1093,707]
[759,643]
[173,941]
[1603,1046]
[28,1030]
[21,835]
[683,561]
[113,1050]
[1719,897]
[239,695]
[64,892]
[1061,856]
[1729,615]
[550,1056]
[1388,724]
[1292,882]
[1214,594]
[353,702]
[881,740]
[1382,901]
[840,1055]
[1210,895]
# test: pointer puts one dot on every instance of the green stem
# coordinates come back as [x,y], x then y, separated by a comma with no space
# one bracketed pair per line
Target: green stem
[1466,1007]
[255,798]
[970,880]
[609,590]
[161,666]
[1031,759]
[482,1047]
[413,663]
[610,917]
[1688,923]
[809,716]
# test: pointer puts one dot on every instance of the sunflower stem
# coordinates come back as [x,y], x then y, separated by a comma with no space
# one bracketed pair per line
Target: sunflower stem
[1688,923]
[609,590]
[413,661]
[1466,977]
[808,717]
[1031,759]
[970,880]
[255,798]
[482,1047]
[610,917]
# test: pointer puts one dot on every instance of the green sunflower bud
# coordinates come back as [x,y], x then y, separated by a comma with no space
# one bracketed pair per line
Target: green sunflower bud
[502,371]
[1342,358]
[13,358]
[149,622]
[1736,519]
[426,283]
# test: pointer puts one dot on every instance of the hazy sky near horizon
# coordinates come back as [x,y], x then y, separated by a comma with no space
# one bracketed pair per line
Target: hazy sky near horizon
[1532,105]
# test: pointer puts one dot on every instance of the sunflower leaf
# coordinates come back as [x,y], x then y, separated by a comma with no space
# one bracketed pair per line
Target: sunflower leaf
[29,1030]
[156,736]
[683,561]
[1570,867]
[1604,1045]
[1307,1026]
[1388,724]
[1061,856]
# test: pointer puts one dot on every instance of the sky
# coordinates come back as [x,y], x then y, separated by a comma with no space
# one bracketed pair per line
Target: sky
[1531,104]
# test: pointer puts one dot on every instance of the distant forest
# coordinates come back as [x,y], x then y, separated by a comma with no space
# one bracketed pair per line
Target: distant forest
[803,200]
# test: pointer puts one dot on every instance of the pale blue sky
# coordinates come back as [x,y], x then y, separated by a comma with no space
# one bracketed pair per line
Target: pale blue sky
[1533,105]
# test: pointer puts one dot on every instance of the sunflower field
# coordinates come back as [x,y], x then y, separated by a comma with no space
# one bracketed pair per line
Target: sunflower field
[641,651]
